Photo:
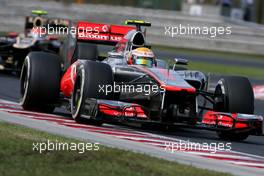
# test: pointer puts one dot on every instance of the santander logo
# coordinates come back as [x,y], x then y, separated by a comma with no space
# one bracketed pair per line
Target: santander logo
[105,28]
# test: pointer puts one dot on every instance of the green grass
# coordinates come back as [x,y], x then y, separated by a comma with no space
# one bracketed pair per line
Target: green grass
[229,70]
[18,158]
[251,72]
[210,53]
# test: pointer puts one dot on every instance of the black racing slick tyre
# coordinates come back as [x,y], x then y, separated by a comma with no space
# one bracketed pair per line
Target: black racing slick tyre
[40,82]
[90,75]
[236,96]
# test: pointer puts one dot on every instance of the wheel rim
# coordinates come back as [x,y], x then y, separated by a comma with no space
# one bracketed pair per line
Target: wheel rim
[24,80]
[77,95]
[220,99]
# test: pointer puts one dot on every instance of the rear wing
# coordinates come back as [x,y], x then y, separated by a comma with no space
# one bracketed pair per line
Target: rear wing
[107,34]
[138,23]
[39,21]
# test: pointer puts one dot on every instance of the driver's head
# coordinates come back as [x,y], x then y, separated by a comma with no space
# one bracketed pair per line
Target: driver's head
[142,56]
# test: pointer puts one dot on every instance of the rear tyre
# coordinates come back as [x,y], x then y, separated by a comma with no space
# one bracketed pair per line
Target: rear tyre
[89,76]
[40,82]
[235,96]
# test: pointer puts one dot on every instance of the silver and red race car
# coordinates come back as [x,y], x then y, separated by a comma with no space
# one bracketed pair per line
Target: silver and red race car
[109,89]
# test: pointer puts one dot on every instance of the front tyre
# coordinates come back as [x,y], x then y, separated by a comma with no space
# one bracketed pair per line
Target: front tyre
[90,75]
[237,95]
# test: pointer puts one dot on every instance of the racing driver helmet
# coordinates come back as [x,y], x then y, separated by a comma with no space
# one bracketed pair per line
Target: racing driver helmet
[142,56]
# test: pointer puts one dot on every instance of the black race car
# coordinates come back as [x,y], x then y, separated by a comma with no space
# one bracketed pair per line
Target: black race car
[15,47]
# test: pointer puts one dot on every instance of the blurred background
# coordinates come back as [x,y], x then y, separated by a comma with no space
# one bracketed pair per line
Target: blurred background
[248,10]
[244,16]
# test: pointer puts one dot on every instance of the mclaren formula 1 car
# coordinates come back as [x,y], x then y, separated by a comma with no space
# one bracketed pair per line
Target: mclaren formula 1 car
[14,47]
[109,89]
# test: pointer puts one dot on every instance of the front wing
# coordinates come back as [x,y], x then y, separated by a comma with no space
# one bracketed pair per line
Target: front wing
[109,110]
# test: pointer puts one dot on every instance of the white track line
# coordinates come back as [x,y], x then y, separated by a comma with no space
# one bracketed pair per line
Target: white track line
[231,156]
[248,164]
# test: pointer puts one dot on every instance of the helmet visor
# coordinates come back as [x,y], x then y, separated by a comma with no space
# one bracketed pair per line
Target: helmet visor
[147,61]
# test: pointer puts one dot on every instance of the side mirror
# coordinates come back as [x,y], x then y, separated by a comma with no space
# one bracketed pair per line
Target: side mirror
[179,61]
